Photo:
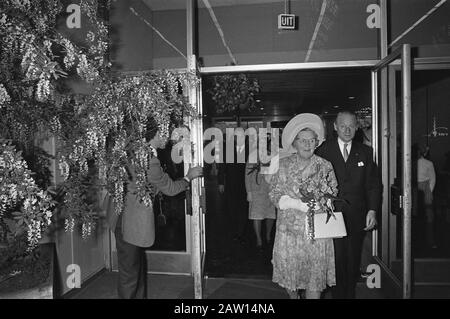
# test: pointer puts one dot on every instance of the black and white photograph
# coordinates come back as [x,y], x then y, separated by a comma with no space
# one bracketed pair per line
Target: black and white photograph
[225,155]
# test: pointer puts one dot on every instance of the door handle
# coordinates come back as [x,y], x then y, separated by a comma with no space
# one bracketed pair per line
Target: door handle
[203,200]
[188,202]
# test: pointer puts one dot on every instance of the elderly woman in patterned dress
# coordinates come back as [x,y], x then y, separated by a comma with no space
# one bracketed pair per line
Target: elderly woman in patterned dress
[299,262]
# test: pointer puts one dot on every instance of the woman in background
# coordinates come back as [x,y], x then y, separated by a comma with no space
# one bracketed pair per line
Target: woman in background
[260,206]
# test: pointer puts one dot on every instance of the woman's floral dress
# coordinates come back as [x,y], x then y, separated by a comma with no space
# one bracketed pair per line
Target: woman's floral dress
[299,263]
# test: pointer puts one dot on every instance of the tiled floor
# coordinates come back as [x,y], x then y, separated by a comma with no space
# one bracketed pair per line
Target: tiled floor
[181,287]
[235,269]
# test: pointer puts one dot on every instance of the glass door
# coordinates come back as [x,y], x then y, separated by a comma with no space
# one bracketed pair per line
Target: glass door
[198,202]
[392,140]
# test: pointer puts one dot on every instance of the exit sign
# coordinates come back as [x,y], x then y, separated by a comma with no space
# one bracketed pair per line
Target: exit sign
[286,21]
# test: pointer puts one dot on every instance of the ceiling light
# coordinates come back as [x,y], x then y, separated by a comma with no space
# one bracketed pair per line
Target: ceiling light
[336,106]
[258,100]
[351,97]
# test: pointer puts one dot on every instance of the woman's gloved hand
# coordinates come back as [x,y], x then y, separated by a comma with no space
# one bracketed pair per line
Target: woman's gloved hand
[287,202]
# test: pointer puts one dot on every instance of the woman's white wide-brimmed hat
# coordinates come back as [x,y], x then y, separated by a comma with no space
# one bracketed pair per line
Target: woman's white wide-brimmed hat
[298,123]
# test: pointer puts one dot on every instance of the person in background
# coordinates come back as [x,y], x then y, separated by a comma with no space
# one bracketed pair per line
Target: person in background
[260,207]
[446,173]
[426,181]
[231,180]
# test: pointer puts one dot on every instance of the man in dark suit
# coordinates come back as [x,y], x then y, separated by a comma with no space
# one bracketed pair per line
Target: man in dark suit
[359,185]
[231,180]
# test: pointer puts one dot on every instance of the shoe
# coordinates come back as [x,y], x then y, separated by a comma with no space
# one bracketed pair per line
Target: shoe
[301,294]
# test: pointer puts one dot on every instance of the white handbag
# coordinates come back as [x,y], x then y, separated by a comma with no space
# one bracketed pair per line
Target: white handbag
[334,228]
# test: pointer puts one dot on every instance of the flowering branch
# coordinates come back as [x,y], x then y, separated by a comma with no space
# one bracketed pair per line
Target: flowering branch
[231,91]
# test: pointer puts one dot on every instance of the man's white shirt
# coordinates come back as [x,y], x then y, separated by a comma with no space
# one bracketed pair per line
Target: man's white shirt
[341,146]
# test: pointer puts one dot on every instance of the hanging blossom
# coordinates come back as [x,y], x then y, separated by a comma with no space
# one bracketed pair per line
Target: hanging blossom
[120,109]
[86,71]
[64,168]
[20,4]
[119,189]
[4,20]
[69,224]
[87,228]
[17,186]
[143,152]
[4,96]
[28,34]
[102,169]
[55,125]
[43,88]
[70,57]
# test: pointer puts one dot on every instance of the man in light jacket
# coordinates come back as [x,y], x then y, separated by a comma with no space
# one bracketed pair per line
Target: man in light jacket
[134,228]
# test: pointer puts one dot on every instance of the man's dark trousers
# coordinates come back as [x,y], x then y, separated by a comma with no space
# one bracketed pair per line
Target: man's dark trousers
[132,283]
[347,258]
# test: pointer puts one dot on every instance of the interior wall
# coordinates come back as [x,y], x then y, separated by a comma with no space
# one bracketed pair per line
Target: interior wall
[131,39]
[252,34]
[89,254]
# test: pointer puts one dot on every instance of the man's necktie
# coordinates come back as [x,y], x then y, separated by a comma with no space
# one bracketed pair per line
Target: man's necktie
[345,152]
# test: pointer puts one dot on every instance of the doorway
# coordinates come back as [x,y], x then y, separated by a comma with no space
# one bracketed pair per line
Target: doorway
[282,95]
[430,93]
[413,242]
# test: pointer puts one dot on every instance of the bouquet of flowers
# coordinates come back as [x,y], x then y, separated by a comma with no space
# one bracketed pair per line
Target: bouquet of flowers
[312,208]
[319,197]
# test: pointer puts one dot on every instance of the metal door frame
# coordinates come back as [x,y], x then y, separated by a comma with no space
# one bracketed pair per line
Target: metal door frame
[404,54]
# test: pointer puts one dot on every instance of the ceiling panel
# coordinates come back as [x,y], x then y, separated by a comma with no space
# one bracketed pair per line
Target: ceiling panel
[161,5]
[319,91]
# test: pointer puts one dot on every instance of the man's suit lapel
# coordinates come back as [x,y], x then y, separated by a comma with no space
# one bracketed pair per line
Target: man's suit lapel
[337,153]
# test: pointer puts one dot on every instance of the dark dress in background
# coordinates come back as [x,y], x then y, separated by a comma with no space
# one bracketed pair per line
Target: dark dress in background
[232,176]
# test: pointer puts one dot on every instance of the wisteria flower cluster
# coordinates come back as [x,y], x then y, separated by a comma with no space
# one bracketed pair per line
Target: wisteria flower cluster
[98,135]
[111,129]
[35,55]
[18,191]
[231,91]
[4,96]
